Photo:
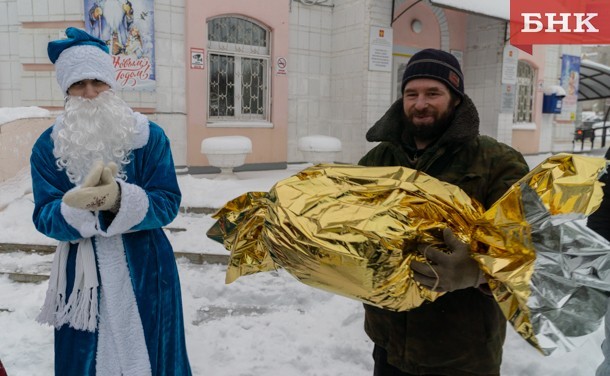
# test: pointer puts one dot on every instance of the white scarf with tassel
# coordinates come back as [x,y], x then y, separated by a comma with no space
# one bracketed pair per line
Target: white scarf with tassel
[81,310]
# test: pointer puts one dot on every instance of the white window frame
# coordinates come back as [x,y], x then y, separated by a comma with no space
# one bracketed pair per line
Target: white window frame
[527,102]
[239,52]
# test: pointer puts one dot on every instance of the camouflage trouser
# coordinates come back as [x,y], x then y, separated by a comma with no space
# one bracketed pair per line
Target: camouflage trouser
[604,368]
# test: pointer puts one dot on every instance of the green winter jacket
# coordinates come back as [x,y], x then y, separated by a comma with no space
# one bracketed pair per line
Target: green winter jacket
[461,333]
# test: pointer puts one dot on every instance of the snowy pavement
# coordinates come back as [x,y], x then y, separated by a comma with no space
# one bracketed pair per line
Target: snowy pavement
[263,324]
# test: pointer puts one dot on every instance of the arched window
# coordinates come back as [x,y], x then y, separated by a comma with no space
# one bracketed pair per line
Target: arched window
[524,102]
[238,61]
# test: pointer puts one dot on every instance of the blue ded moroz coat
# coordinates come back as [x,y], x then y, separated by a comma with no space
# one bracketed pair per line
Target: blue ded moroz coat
[150,341]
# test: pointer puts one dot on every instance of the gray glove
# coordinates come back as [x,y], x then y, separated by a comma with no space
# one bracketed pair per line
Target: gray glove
[99,190]
[447,272]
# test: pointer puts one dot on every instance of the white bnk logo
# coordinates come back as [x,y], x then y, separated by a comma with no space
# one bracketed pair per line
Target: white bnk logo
[534,19]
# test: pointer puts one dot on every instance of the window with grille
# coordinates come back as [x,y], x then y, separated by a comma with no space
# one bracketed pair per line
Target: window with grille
[524,102]
[238,66]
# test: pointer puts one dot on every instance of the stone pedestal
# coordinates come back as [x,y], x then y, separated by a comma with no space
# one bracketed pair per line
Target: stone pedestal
[226,153]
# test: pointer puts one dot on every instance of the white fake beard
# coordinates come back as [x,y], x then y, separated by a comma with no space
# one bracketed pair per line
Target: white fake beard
[102,128]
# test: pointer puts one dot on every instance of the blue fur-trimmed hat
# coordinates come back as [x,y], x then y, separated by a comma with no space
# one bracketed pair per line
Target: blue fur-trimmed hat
[81,56]
[438,65]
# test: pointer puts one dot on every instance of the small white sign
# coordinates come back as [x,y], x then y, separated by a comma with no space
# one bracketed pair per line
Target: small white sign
[197,58]
[509,64]
[380,49]
[507,102]
[280,65]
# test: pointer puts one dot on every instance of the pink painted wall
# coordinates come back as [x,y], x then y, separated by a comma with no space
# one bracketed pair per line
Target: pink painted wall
[528,141]
[269,145]
[430,36]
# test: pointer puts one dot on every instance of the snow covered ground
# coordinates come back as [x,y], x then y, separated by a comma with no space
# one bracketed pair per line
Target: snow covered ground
[263,324]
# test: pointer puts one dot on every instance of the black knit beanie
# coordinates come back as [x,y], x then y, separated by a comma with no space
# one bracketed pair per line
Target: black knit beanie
[438,65]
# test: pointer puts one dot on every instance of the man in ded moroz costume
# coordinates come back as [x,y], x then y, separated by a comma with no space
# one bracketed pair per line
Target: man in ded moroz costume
[104,185]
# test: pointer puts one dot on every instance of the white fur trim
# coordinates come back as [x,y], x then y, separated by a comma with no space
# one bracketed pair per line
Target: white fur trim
[105,348]
[82,220]
[134,206]
[143,130]
[121,335]
[84,62]
[59,124]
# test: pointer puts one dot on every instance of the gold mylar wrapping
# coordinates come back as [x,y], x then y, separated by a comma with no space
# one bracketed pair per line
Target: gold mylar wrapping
[351,230]
[344,229]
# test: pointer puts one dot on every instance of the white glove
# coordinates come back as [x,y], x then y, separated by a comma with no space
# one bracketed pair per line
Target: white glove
[447,272]
[99,190]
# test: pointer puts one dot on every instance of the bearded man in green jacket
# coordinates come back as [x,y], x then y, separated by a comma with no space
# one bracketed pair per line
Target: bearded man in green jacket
[434,128]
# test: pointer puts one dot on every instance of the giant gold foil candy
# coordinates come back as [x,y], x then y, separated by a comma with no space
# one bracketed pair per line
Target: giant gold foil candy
[352,230]
[345,229]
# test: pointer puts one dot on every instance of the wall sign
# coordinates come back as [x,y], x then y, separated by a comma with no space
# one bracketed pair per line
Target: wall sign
[380,49]
[280,65]
[127,27]
[197,58]
[510,61]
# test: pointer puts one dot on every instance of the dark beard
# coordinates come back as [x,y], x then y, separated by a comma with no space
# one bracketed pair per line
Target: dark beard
[428,132]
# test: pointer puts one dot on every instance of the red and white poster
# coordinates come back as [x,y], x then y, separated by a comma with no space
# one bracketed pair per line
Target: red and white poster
[127,27]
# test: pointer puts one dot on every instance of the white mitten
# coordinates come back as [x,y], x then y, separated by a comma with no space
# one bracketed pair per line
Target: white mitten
[99,190]
[95,174]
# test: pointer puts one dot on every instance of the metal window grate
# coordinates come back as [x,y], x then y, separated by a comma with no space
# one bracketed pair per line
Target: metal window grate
[525,93]
[238,62]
